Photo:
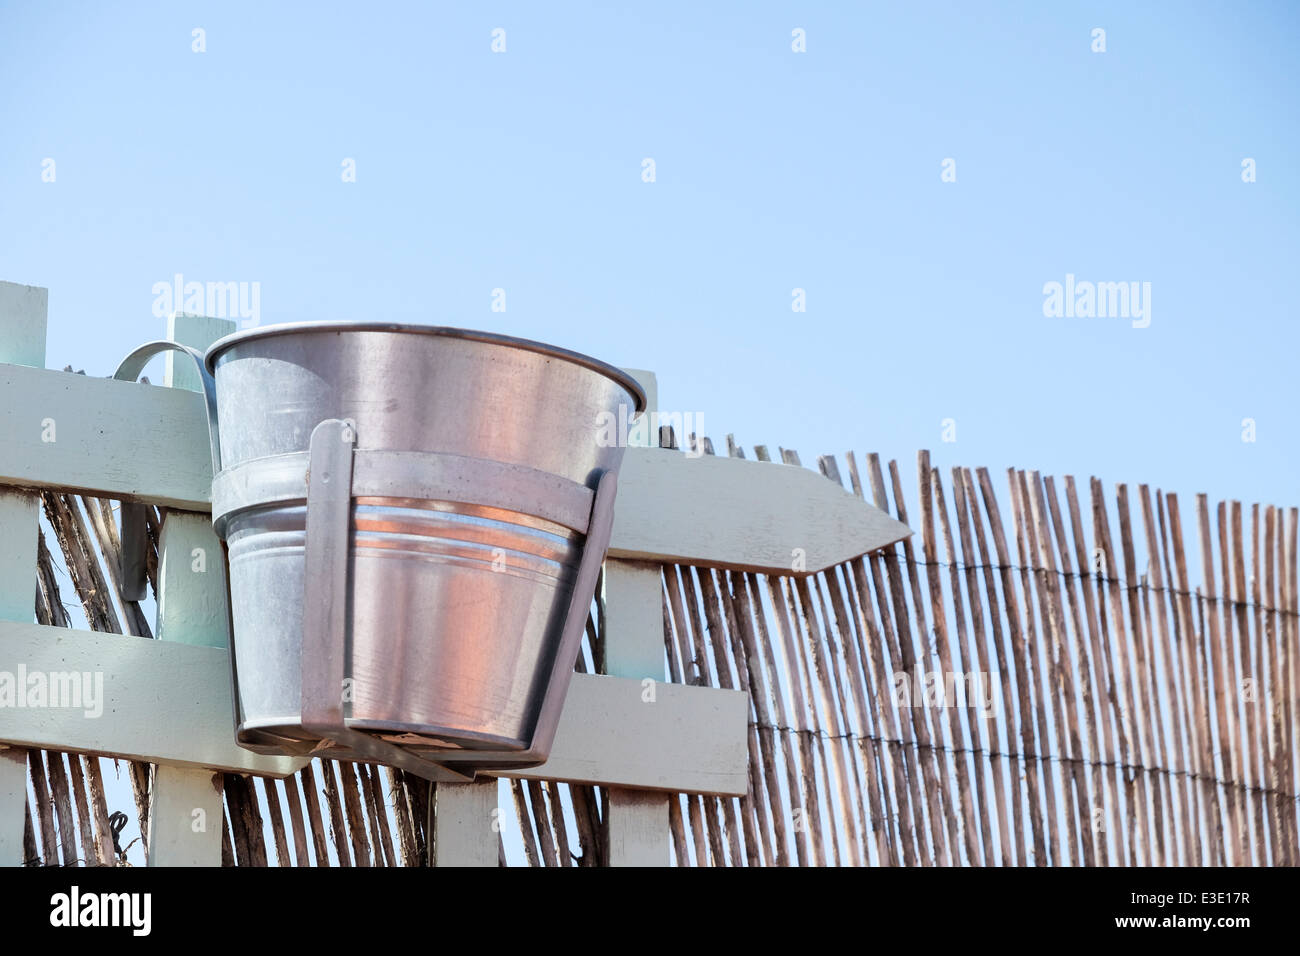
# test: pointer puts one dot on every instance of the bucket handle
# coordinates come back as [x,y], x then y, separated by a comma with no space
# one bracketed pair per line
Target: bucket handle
[133,583]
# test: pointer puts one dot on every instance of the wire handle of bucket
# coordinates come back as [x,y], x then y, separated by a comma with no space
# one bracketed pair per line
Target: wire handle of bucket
[134,535]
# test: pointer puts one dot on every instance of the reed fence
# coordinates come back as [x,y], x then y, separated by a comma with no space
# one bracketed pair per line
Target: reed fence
[1080,700]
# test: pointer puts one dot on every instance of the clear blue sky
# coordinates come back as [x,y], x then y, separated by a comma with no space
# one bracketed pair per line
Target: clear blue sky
[774,170]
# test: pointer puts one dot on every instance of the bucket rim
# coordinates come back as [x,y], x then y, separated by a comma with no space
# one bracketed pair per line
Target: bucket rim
[492,338]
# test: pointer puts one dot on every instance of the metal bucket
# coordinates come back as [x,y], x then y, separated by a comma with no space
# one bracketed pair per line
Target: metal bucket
[415,518]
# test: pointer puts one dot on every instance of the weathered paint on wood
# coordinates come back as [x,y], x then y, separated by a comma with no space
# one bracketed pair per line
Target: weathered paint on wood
[13,804]
[185,818]
[638,828]
[634,648]
[466,827]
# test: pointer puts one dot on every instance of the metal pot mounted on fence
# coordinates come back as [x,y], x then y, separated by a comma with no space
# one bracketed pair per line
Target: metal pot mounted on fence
[415,520]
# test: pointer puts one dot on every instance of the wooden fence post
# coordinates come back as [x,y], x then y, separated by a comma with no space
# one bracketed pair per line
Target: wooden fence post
[634,647]
[638,819]
[185,823]
[464,831]
[23,312]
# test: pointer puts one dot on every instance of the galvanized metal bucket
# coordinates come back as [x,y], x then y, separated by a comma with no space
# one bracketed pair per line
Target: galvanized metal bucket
[415,520]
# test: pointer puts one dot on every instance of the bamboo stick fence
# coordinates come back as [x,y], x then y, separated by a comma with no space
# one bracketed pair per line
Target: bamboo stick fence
[1092,705]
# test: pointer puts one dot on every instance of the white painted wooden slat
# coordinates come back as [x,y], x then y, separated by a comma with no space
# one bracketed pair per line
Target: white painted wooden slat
[192,604]
[122,439]
[169,703]
[13,804]
[638,828]
[634,621]
[465,824]
[732,512]
[112,439]
[19,517]
[185,818]
[163,702]
[191,582]
[692,740]
[634,648]
[23,315]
